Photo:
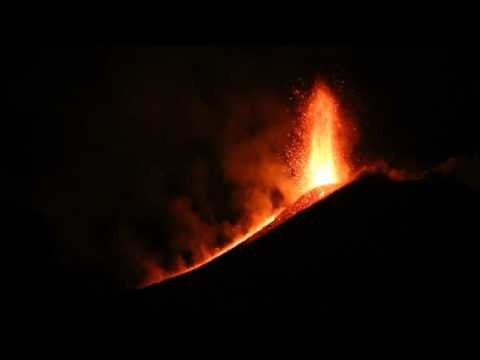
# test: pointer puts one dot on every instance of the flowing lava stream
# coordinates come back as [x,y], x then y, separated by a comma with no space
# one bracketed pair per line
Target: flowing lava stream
[320,161]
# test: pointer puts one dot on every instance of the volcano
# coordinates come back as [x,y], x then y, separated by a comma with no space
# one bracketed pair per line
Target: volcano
[373,246]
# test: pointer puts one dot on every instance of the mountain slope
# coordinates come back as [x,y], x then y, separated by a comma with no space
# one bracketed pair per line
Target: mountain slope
[374,246]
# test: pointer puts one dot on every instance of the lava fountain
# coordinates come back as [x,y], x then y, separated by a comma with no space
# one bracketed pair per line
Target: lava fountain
[325,160]
[318,161]
[320,157]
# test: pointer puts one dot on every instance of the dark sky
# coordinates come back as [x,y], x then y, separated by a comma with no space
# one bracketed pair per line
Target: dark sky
[422,100]
[104,137]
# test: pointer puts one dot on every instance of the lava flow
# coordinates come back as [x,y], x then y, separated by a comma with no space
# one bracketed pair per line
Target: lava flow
[317,159]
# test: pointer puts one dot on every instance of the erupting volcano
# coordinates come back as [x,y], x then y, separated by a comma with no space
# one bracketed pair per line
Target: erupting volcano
[145,183]
[317,160]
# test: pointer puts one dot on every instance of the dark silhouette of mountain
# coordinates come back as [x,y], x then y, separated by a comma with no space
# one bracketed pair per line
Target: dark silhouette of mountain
[375,247]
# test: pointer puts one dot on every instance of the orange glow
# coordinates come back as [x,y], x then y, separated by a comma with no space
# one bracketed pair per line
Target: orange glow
[325,164]
[320,166]
[158,275]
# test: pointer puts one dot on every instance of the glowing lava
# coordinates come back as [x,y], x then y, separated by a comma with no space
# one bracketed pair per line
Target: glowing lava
[319,164]
[325,164]
[157,275]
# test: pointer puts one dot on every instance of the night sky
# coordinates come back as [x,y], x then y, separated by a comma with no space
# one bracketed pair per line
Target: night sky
[100,140]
